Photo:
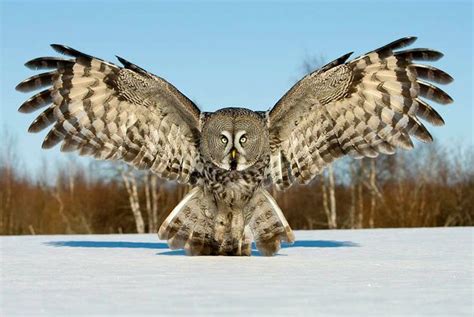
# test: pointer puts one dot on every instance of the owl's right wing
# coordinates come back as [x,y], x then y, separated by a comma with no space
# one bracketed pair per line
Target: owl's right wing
[115,113]
[361,108]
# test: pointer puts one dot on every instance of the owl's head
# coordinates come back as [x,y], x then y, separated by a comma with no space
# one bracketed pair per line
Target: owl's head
[234,138]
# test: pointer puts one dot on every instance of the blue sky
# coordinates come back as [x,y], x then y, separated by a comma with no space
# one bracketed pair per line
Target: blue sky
[230,53]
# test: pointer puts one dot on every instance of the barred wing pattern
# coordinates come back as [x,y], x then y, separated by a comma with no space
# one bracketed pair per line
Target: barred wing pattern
[363,107]
[114,113]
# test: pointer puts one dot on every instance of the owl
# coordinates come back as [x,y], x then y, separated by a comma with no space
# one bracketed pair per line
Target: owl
[370,105]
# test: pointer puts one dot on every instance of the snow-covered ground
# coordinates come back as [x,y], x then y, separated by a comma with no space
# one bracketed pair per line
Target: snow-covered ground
[366,272]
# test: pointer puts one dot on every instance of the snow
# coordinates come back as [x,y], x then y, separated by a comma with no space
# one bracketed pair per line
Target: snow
[338,272]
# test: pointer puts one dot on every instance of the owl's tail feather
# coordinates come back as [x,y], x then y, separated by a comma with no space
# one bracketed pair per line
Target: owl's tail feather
[200,227]
[196,226]
[268,224]
[187,227]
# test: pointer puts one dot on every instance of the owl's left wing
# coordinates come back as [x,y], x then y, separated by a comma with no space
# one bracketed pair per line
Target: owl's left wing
[115,113]
[363,107]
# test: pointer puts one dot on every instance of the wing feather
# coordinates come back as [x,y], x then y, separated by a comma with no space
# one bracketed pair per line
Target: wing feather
[362,108]
[100,109]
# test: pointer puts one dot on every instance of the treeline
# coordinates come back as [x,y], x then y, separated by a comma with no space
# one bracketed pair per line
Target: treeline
[429,186]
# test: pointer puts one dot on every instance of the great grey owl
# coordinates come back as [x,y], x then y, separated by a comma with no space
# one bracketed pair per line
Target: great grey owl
[362,107]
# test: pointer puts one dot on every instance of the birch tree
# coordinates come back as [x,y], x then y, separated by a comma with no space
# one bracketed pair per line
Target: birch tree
[130,183]
[152,196]
[329,197]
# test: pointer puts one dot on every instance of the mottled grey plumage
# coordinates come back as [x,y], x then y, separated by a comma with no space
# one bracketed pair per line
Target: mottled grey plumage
[363,107]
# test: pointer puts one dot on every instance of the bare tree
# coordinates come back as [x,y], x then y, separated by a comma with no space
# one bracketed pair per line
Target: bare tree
[56,193]
[329,198]
[152,196]
[375,194]
[353,201]
[357,206]
[130,183]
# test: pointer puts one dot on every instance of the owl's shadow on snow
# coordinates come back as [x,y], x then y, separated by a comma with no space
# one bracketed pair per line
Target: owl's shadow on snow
[164,246]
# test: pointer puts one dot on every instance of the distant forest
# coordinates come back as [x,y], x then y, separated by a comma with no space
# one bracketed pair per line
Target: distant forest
[427,187]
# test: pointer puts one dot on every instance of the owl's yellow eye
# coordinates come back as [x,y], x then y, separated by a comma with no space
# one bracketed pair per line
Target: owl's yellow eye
[224,139]
[243,139]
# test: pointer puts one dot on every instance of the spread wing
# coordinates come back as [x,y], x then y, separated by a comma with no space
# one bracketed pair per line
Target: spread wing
[363,107]
[114,113]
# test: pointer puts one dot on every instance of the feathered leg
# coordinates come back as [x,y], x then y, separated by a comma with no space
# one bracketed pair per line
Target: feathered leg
[201,227]
[268,224]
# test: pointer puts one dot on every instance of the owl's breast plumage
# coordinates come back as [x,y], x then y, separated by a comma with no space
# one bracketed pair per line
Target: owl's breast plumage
[234,188]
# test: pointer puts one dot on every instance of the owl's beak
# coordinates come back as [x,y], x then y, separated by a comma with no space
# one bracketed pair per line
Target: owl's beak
[233,153]
[233,159]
